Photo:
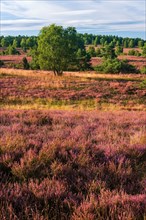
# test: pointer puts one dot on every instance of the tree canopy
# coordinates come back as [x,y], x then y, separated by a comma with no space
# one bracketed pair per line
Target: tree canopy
[58,48]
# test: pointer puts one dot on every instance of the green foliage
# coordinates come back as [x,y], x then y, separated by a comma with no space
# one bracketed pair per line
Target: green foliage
[119,50]
[98,52]
[131,52]
[134,52]
[1,63]
[96,41]
[11,50]
[15,43]
[115,66]
[109,52]
[144,51]
[143,85]
[143,70]
[88,39]
[58,49]
[25,63]
[23,44]
[5,42]
[131,43]
[83,60]
[140,43]
[125,44]
[91,51]
[34,64]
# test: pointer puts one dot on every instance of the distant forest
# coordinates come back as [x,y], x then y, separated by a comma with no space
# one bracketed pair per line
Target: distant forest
[27,42]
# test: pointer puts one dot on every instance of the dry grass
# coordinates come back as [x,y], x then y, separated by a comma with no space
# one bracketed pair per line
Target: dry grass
[87,74]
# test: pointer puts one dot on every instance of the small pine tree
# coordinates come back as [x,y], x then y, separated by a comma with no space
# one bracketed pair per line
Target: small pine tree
[109,52]
[144,51]
[25,63]
[1,63]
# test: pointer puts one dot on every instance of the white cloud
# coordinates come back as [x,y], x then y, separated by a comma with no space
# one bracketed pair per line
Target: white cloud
[106,15]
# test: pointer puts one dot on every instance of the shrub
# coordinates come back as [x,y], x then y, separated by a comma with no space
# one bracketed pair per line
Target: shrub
[91,51]
[143,70]
[144,51]
[98,52]
[25,63]
[11,50]
[134,53]
[119,50]
[143,84]
[116,66]
[1,63]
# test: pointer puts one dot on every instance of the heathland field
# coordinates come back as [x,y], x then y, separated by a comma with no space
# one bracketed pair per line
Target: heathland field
[72,147]
[22,89]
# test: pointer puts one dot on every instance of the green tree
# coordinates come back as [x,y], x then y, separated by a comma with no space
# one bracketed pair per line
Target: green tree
[11,50]
[109,52]
[144,51]
[83,60]
[91,51]
[23,44]
[58,47]
[125,44]
[3,42]
[119,50]
[25,63]
[140,43]
[116,66]
[35,62]
[30,42]
[131,43]
[102,41]
[15,43]
[98,52]
[1,63]
[96,41]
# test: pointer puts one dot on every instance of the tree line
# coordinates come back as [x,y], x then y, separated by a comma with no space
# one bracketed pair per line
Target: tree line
[26,42]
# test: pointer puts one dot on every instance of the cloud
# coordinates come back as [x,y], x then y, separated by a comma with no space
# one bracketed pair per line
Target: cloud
[103,15]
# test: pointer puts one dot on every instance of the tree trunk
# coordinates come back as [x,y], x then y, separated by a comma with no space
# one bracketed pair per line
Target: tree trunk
[58,72]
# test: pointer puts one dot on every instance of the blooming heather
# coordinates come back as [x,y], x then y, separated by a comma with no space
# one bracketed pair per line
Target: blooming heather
[70,165]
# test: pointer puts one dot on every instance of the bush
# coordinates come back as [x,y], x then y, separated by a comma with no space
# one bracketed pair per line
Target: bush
[1,63]
[91,51]
[99,52]
[134,53]
[116,66]
[25,63]
[12,51]
[144,51]
[143,70]
[119,50]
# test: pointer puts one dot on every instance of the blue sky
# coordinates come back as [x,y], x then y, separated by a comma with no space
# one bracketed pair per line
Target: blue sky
[126,18]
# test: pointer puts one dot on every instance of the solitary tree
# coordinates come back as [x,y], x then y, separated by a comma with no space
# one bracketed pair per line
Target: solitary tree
[58,47]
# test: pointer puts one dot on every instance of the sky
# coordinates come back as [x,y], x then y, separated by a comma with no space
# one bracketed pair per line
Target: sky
[125,18]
